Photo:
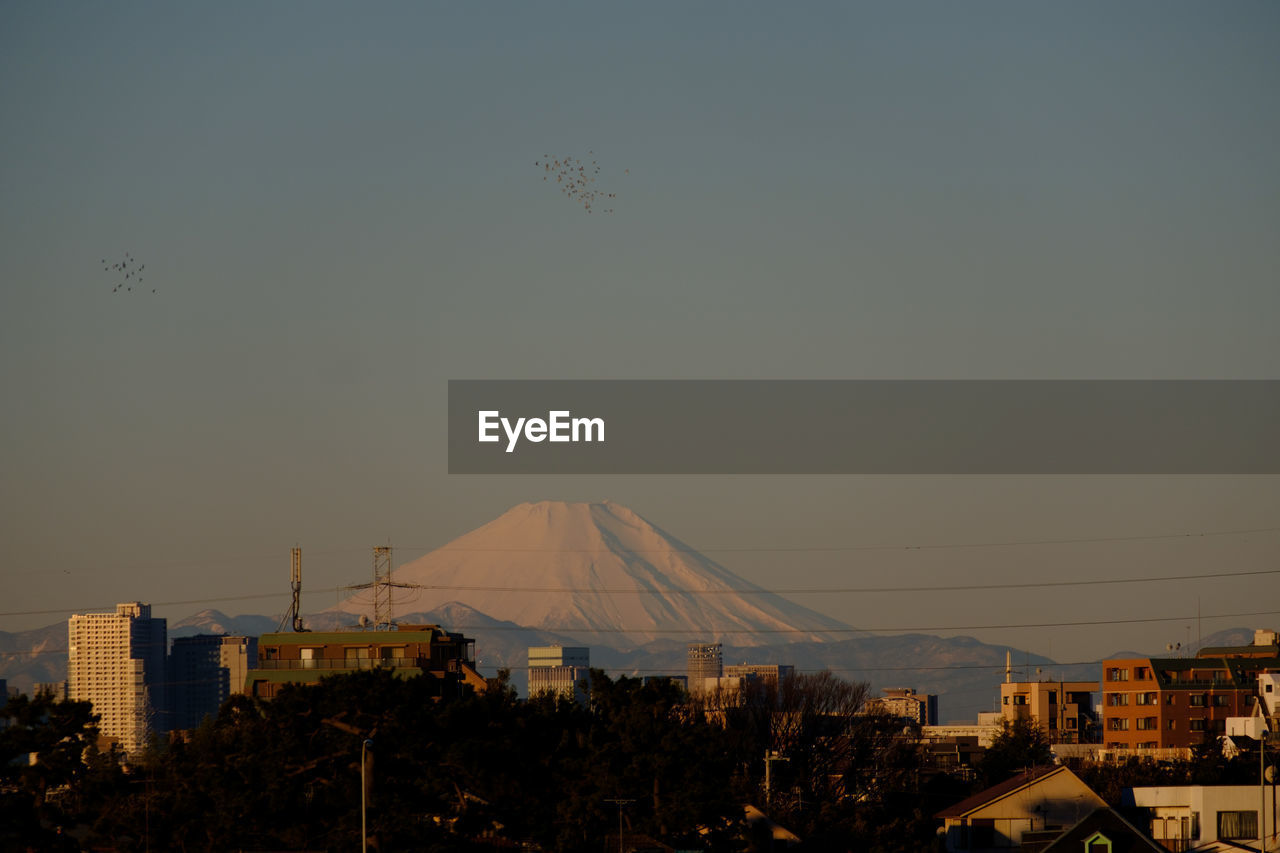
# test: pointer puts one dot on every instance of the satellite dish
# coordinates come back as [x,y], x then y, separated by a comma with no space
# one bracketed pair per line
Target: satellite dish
[364,621]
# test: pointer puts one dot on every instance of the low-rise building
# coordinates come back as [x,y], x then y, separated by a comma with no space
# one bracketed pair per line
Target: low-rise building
[1063,709]
[562,670]
[305,657]
[1042,799]
[1189,817]
[769,674]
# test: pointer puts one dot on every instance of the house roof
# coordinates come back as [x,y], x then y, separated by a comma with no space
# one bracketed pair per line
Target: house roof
[1124,836]
[995,792]
[776,831]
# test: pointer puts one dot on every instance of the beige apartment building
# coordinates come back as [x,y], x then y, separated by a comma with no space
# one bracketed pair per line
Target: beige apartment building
[116,661]
[1064,709]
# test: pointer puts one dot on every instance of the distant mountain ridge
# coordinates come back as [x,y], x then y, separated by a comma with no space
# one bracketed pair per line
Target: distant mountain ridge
[212,621]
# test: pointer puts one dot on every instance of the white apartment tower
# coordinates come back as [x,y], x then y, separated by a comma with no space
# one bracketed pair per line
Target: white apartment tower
[117,662]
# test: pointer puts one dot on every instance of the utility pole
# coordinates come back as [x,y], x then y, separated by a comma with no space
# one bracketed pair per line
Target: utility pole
[770,755]
[620,803]
[365,745]
[1262,789]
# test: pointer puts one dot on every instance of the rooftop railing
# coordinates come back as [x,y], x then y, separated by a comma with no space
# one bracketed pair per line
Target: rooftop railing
[341,663]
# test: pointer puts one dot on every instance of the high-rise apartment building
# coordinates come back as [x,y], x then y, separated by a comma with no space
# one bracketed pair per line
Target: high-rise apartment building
[204,671]
[117,662]
[560,670]
[905,702]
[705,665]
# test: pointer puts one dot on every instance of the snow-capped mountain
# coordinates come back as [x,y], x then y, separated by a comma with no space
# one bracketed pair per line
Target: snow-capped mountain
[602,574]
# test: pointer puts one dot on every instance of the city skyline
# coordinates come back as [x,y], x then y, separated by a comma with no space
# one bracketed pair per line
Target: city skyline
[341,210]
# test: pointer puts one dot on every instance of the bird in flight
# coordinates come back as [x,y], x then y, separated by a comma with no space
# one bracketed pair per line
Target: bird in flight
[577,180]
[126,274]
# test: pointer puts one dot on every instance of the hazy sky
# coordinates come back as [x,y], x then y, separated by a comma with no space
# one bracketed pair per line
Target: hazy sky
[338,207]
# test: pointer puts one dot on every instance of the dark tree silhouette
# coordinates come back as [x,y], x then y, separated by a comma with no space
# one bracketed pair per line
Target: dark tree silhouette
[1020,745]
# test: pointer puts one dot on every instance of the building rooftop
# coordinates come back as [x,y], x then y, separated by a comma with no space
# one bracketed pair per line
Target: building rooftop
[995,792]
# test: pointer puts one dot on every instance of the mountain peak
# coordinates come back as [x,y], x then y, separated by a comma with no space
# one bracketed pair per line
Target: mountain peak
[599,571]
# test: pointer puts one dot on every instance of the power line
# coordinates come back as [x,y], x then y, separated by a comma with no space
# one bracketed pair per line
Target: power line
[886,630]
[747,549]
[726,549]
[835,589]
[689,590]
[694,632]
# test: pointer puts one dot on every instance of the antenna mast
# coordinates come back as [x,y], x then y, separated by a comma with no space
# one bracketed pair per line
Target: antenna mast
[295,582]
[381,586]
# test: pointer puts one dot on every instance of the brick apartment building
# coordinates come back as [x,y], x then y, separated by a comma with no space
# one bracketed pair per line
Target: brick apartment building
[1169,703]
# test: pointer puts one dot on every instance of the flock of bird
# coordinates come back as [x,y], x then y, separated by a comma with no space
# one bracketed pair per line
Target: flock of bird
[131,271]
[576,179]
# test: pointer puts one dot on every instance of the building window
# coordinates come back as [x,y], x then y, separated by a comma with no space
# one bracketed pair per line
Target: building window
[1147,724]
[1141,673]
[1197,725]
[1197,700]
[1118,724]
[1220,700]
[1171,725]
[1115,699]
[1117,673]
[1236,826]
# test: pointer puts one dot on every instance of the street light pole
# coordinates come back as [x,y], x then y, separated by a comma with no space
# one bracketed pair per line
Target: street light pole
[1262,791]
[364,787]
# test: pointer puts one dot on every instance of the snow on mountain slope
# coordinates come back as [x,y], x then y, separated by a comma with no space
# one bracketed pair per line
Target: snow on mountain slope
[600,572]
